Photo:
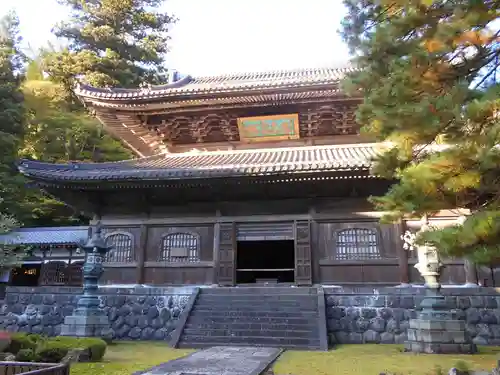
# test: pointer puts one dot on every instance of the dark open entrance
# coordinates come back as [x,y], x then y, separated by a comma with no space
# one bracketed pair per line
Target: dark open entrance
[265,261]
[26,275]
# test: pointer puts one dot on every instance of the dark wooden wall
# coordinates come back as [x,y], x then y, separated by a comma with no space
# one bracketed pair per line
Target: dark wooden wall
[123,272]
[392,266]
[329,269]
[158,271]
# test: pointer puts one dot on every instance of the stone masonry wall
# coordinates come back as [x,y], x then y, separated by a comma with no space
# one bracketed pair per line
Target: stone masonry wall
[356,316]
[134,314]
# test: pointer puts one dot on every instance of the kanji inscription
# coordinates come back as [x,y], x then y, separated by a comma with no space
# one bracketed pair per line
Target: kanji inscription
[269,128]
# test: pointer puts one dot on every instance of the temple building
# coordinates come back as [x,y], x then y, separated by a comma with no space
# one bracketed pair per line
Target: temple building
[52,256]
[239,179]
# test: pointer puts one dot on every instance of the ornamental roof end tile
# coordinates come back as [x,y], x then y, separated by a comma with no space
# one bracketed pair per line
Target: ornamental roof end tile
[196,165]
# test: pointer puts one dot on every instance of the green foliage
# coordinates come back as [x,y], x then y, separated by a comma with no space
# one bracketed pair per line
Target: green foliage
[57,132]
[52,352]
[12,118]
[12,115]
[54,349]
[9,253]
[111,43]
[25,355]
[22,341]
[427,75]
[96,346]
[463,367]
[438,370]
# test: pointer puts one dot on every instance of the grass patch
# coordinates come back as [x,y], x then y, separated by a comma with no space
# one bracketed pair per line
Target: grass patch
[124,358]
[373,359]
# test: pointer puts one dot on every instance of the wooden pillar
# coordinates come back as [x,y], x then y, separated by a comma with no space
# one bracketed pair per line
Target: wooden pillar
[216,250]
[404,273]
[226,270]
[303,254]
[470,272]
[141,254]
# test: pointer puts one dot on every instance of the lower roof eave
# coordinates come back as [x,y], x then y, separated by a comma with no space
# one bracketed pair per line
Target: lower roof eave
[282,178]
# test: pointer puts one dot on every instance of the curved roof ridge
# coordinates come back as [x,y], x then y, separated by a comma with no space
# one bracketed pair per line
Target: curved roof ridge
[183,81]
[275,149]
[49,229]
[24,163]
[243,73]
[203,83]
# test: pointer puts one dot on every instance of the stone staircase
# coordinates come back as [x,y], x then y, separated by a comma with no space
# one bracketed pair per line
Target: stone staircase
[256,316]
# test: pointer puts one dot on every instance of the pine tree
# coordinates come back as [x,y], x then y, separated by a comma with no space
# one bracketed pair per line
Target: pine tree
[428,77]
[111,43]
[9,253]
[12,115]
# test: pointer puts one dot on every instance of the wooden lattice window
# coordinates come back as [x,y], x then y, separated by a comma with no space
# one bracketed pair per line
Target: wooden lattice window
[54,273]
[180,247]
[122,247]
[357,244]
[75,274]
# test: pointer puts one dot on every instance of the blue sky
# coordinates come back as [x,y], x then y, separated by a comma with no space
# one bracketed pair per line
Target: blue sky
[220,36]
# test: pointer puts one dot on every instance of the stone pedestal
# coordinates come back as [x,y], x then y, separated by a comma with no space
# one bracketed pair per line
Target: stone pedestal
[438,337]
[81,324]
[437,329]
[88,320]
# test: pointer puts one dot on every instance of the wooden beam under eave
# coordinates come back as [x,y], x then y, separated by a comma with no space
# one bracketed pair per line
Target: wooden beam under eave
[130,140]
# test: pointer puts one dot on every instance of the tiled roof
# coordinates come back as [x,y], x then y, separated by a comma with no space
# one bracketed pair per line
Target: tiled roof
[194,165]
[46,236]
[228,83]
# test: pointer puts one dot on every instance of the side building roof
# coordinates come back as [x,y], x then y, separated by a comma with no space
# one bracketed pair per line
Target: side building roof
[46,236]
[206,165]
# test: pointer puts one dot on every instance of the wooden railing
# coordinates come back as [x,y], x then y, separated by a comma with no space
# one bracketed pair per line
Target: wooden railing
[28,368]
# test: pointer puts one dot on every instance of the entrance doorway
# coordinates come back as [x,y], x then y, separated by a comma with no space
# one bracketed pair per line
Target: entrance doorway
[26,275]
[265,261]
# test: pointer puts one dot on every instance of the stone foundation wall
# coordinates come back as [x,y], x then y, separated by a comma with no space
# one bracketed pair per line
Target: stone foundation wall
[355,316]
[362,315]
[134,314]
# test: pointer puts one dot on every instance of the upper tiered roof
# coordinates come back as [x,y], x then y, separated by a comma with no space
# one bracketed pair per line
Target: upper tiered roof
[222,84]
[145,118]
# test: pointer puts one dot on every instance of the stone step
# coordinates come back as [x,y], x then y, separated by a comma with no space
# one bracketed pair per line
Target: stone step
[253,313]
[229,306]
[230,332]
[275,317]
[194,345]
[269,291]
[252,340]
[200,319]
[238,325]
[261,296]
[251,301]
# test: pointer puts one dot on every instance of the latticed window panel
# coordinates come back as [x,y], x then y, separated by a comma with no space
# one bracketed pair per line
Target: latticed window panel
[357,244]
[54,273]
[122,248]
[180,247]
[75,274]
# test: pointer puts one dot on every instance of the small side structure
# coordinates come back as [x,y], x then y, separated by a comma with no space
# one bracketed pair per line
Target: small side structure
[53,257]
